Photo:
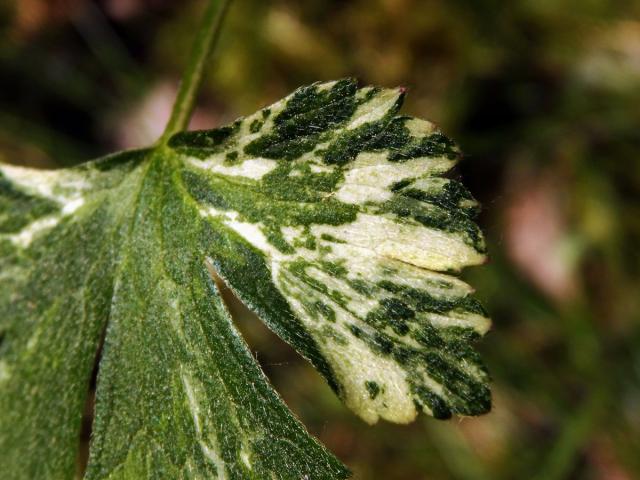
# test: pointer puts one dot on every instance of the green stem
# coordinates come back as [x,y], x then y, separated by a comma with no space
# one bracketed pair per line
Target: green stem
[205,41]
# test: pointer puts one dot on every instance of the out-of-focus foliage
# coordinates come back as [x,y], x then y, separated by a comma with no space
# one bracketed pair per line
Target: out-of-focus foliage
[543,97]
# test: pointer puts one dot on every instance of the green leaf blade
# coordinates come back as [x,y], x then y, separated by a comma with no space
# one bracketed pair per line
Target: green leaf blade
[326,213]
[354,224]
[178,391]
[56,286]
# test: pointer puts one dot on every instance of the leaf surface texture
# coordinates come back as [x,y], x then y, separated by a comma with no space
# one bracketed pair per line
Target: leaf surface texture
[326,213]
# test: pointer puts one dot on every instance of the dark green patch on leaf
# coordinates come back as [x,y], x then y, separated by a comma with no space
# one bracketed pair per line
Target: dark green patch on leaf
[373,388]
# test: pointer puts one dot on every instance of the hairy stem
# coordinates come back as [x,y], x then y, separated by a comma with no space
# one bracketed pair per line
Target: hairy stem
[205,41]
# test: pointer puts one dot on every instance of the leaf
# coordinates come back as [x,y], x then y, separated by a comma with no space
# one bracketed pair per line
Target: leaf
[326,213]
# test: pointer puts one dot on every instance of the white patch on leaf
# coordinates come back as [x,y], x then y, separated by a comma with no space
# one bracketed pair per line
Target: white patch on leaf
[72,205]
[479,323]
[244,456]
[252,233]
[358,194]
[291,234]
[419,128]
[373,169]
[375,109]
[193,402]
[25,236]
[253,168]
[319,168]
[214,212]
[208,450]
[61,186]
[407,242]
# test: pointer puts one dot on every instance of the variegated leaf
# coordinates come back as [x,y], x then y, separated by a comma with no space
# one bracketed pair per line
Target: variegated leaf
[326,213]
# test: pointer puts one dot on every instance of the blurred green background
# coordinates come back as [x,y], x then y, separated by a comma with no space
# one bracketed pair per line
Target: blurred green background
[544,98]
